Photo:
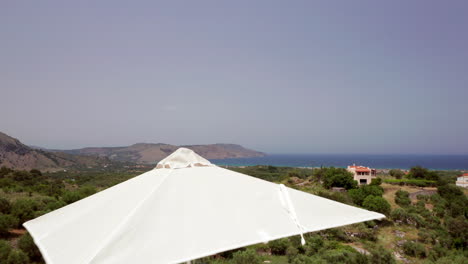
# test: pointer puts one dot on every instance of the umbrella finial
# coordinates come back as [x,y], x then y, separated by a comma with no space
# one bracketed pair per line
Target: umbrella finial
[183,158]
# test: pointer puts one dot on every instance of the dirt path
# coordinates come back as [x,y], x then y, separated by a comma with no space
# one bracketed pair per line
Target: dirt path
[414,195]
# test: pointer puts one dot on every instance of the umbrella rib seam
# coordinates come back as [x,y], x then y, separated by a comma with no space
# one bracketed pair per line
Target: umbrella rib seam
[125,221]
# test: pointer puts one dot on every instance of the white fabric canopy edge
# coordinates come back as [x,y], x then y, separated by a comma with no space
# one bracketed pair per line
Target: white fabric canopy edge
[220,250]
[372,216]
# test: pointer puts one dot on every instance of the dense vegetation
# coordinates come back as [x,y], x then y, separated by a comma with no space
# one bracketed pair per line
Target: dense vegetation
[426,229]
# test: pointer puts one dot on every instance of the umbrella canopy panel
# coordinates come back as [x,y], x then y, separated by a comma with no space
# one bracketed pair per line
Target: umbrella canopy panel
[172,215]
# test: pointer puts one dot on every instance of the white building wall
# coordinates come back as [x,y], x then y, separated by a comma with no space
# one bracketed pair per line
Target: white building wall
[462,181]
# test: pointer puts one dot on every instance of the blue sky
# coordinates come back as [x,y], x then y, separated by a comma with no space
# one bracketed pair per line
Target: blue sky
[277,76]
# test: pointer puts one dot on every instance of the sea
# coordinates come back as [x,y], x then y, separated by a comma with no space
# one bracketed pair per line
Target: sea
[379,161]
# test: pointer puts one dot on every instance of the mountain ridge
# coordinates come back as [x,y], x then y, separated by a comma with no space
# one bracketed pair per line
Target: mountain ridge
[151,153]
[17,155]
[14,154]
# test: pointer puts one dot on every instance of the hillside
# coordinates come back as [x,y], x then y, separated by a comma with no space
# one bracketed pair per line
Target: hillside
[149,153]
[425,229]
[14,154]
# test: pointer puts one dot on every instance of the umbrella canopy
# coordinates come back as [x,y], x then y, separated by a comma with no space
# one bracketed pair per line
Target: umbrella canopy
[184,209]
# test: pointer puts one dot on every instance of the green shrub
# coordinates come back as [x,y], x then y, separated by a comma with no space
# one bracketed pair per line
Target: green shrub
[406,217]
[344,254]
[17,257]
[5,171]
[336,256]
[436,199]
[27,245]
[335,196]
[24,210]
[411,182]
[376,203]
[427,236]
[338,177]
[24,177]
[364,232]
[6,222]
[443,238]
[5,250]
[279,246]
[5,206]
[380,255]
[337,234]
[35,172]
[420,205]
[437,252]
[414,249]
[439,210]
[87,190]
[302,259]
[248,256]
[71,197]
[7,184]
[453,257]
[458,208]
[211,260]
[53,189]
[402,198]
[313,244]
[47,204]
[399,214]
[455,199]
[419,172]
[458,229]
[291,253]
[373,190]
[432,221]
[396,173]
[296,241]
[422,197]
[359,195]
[376,181]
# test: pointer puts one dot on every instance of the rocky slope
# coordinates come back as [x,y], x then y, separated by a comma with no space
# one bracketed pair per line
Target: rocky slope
[14,154]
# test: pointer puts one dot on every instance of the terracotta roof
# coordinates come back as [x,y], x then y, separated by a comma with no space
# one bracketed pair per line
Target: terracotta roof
[465,174]
[360,168]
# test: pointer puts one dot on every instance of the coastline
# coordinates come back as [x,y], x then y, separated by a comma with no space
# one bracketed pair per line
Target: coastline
[377,161]
[381,170]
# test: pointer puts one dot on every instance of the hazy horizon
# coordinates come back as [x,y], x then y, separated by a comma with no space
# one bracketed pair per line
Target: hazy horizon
[278,77]
[268,153]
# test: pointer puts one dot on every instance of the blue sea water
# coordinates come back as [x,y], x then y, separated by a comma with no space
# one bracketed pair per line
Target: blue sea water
[379,161]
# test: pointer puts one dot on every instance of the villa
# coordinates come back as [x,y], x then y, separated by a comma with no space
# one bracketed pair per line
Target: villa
[363,175]
[462,181]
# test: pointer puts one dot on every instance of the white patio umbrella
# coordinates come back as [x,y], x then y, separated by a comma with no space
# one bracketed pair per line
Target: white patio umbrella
[184,209]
